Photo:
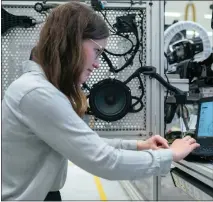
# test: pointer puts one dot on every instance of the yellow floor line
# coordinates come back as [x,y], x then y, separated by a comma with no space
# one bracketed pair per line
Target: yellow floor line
[100,188]
[98,185]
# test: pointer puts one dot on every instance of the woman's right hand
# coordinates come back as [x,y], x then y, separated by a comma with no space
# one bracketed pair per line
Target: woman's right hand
[182,147]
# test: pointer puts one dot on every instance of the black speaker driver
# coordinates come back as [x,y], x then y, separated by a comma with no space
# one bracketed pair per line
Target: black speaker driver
[110,100]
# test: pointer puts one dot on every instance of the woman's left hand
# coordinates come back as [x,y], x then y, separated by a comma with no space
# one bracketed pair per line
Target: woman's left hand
[155,142]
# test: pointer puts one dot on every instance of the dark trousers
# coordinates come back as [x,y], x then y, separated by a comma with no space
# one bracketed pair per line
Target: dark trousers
[53,196]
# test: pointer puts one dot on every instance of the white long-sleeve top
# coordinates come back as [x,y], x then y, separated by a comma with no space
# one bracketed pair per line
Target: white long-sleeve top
[41,131]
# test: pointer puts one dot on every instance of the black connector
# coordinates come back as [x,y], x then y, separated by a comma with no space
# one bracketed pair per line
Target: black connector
[97,5]
[10,21]
[125,24]
[43,7]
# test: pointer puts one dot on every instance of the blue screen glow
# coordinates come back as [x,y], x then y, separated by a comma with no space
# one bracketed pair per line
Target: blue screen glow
[205,128]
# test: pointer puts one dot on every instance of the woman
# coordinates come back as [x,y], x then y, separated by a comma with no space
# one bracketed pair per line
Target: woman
[41,116]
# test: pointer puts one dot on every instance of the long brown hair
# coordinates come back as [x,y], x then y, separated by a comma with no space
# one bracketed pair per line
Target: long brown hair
[59,50]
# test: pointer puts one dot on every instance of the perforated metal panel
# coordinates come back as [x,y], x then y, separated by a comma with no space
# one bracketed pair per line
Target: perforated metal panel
[132,121]
[18,42]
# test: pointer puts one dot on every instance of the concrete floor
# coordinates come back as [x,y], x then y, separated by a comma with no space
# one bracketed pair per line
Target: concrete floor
[81,185]
[171,193]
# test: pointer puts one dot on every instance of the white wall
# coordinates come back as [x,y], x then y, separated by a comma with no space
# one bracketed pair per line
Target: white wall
[202,9]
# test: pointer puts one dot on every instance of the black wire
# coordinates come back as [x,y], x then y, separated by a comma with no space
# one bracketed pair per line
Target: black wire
[121,54]
[129,61]
[105,18]
[131,4]
[134,52]
[142,89]
[139,100]
[108,61]
[141,41]
[167,92]
[141,105]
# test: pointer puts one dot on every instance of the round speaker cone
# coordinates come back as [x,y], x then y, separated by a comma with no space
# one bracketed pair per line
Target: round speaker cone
[110,100]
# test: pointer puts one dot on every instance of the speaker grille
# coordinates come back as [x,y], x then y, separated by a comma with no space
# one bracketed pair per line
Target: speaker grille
[110,100]
[17,44]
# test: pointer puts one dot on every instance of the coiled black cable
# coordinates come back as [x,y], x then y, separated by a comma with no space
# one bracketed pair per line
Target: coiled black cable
[134,52]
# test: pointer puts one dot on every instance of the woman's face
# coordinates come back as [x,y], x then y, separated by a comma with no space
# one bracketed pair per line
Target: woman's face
[92,50]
